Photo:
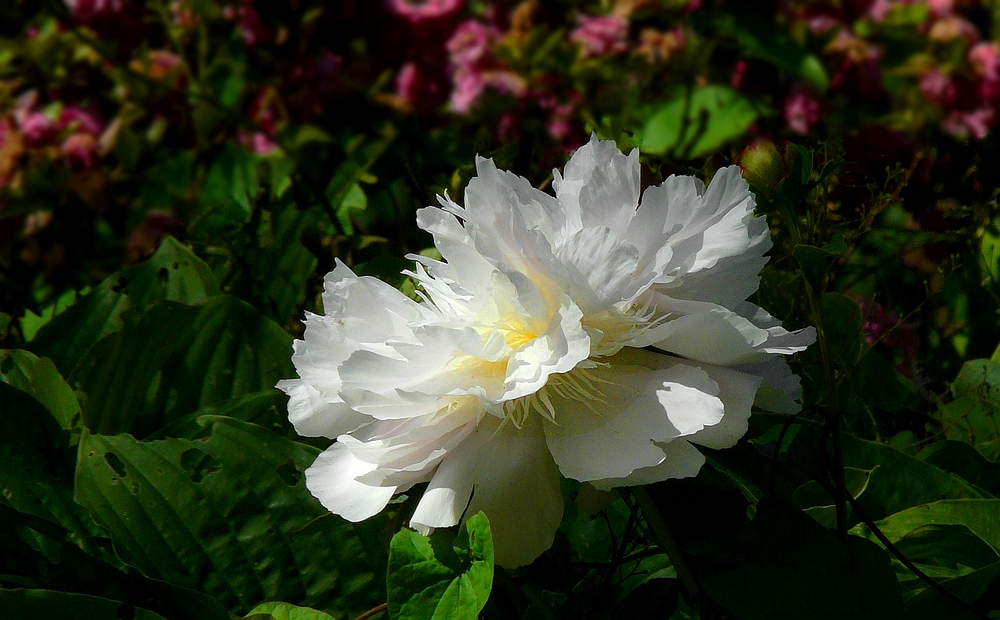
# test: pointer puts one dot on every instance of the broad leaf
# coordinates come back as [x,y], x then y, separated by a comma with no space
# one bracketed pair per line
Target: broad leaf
[66,606]
[285,611]
[697,123]
[441,577]
[225,515]
[38,377]
[973,415]
[175,359]
[173,273]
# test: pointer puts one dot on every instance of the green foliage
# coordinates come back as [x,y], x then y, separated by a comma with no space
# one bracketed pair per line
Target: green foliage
[284,611]
[972,415]
[697,123]
[443,576]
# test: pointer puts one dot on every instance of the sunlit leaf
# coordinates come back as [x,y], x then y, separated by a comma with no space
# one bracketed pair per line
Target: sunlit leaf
[441,577]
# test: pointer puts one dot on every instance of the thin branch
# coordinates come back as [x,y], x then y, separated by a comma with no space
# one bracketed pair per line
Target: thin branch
[374,611]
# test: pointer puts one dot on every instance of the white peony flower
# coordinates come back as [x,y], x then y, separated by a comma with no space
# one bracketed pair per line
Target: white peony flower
[586,334]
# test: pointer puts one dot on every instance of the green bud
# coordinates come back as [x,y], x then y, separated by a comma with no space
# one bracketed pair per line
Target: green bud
[763,167]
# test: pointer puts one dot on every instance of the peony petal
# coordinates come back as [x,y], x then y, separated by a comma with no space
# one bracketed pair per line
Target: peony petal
[780,388]
[601,184]
[612,433]
[602,268]
[680,460]
[737,391]
[332,479]
[510,476]
[313,416]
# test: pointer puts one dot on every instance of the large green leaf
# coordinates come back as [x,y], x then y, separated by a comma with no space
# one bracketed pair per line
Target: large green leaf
[784,565]
[225,515]
[973,415]
[441,577]
[268,409]
[38,377]
[44,604]
[173,273]
[697,123]
[175,359]
[284,611]
[35,469]
[953,541]
[961,459]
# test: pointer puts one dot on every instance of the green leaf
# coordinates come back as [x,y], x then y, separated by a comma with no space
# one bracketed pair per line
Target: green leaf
[268,409]
[973,415]
[38,377]
[784,565]
[963,460]
[173,273]
[224,515]
[698,123]
[766,41]
[176,359]
[954,541]
[233,174]
[362,152]
[441,578]
[817,502]
[66,606]
[285,611]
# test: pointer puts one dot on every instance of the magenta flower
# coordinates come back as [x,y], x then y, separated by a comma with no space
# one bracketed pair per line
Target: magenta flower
[600,35]
[937,88]
[802,110]
[470,43]
[87,10]
[972,123]
[985,59]
[415,11]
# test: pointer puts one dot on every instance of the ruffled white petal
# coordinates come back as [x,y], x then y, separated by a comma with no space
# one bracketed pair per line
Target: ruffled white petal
[509,475]
[332,480]
[680,460]
[638,405]
[314,416]
[601,184]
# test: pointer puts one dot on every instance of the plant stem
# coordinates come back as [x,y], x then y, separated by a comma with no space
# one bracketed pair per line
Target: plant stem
[373,612]
[663,537]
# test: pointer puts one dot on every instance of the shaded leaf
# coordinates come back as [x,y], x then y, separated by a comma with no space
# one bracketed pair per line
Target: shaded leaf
[67,606]
[973,415]
[39,378]
[175,359]
[173,273]
[224,515]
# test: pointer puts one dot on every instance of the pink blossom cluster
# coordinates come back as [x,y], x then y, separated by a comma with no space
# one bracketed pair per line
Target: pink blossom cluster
[86,11]
[252,29]
[600,35]
[75,130]
[882,326]
[262,111]
[474,68]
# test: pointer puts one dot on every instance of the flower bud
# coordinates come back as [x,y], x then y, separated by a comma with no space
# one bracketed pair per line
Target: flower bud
[763,167]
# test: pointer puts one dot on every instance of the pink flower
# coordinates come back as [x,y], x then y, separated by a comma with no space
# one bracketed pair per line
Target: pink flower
[972,123]
[415,11]
[985,59]
[600,35]
[415,87]
[937,88]
[80,121]
[802,110]
[739,73]
[80,150]
[257,142]
[468,86]
[87,10]
[470,43]
[83,128]
[248,22]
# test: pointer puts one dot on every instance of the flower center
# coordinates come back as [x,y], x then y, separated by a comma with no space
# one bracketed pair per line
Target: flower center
[579,384]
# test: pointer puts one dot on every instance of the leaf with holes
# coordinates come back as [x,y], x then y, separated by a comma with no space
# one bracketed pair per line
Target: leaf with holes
[225,515]
[174,359]
[441,577]
[173,273]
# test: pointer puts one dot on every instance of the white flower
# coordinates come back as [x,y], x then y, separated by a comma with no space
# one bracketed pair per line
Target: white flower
[584,334]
